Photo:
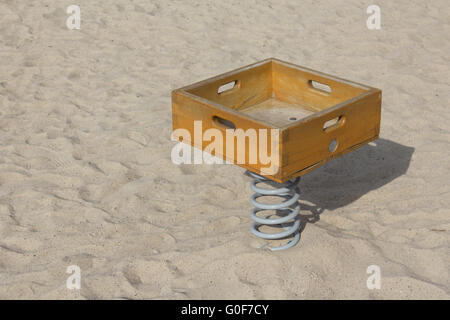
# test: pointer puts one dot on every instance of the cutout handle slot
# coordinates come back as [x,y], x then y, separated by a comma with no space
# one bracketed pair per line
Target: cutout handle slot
[228,86]
[223,123]
[334,123]
[319,86]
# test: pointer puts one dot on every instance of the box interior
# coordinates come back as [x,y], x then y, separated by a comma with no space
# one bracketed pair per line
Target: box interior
[275,92]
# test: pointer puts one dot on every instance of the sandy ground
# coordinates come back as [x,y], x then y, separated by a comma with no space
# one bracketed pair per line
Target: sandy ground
[86,177]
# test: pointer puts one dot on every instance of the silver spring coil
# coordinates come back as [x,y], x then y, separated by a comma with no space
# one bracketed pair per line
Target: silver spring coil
[288,191]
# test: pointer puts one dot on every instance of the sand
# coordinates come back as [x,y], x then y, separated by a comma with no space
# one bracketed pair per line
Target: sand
[86,176]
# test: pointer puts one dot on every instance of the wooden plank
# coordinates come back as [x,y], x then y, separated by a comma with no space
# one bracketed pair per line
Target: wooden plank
[295,86]
[186,110]
[307,143]
[252,86]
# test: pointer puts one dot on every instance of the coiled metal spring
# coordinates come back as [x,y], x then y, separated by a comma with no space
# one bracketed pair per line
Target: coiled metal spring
[288,210]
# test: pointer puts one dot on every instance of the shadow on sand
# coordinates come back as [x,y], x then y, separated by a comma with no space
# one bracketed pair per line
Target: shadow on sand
[347,178]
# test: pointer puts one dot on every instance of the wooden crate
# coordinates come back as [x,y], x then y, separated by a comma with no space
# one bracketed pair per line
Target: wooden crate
[319,116]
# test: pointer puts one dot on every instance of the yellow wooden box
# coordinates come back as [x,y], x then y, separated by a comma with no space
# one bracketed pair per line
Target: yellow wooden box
[319,116]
